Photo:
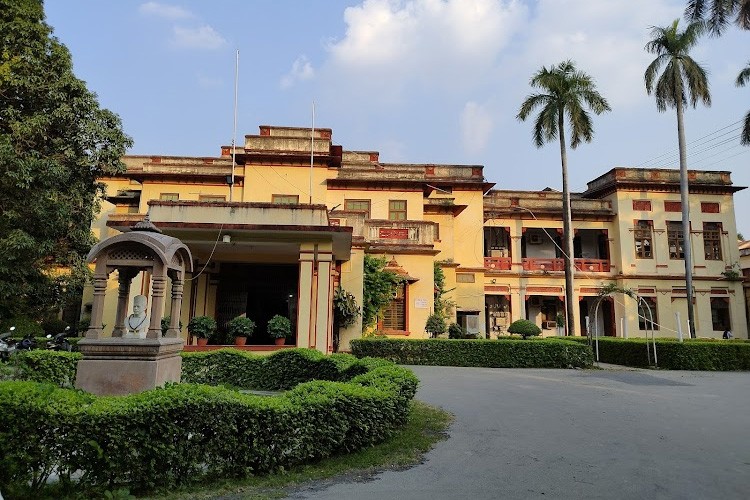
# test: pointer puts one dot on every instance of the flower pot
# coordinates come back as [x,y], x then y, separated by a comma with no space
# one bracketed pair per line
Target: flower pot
[281,341]
[202,341]
[240,340]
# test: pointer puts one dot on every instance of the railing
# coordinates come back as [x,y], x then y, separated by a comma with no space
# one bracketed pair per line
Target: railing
[581,265]
[407,232]
[497,263]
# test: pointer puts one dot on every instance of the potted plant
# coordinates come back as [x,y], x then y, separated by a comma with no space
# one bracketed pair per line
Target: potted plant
[202,327]
[165,324]
[279,328]
[240,328]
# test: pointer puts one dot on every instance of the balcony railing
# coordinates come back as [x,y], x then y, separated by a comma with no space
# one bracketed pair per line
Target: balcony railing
[581,265]
[497,263]
[394,232]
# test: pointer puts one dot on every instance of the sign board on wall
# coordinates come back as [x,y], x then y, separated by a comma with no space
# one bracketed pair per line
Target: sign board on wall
[421,303]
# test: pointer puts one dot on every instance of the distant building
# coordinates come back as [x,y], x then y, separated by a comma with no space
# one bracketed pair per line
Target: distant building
[295,228]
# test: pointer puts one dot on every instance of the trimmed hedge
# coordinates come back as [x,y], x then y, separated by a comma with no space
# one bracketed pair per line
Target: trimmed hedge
[187,433]
[509,353]
[54,367]
[693,354]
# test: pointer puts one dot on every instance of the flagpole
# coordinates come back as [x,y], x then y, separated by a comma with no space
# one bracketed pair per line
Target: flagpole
[234,130]
[312,150]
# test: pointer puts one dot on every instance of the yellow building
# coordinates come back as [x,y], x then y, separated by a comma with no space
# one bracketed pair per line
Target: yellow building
[295,225]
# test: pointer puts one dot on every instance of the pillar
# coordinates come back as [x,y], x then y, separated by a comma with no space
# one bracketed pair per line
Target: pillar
[124,278]
[305,297]
[323,303]
[158,285]
[177,290]
[97,306]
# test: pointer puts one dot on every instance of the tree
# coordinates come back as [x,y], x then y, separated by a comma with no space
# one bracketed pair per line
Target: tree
[682,77]
[720,13]
[55,141]
[565,92]
[742,79]
[379,287]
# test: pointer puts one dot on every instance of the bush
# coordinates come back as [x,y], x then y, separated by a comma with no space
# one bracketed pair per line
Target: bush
[456,332]
[54,367]
[435,325]
[186,433]
[695,354]
[203,327]
[486,353]
[240,327]
[279,327]
[524,328]
[24,326]
[52,326]
[165,324]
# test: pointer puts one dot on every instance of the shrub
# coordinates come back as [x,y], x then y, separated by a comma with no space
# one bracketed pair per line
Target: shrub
[455,331]
[185,433]
[240,327]
[203,327]
[52,326]
[696,354]
[524,328]
[24,326]
[510,353]
[279,327]
[165,324]
[435,325]
[53,367]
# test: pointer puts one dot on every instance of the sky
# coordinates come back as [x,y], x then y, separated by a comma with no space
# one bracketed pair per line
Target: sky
[420,81]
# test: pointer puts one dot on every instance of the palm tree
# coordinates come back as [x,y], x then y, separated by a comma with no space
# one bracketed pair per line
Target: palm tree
[565,91]
[720,13]
[682,77]
[742,79]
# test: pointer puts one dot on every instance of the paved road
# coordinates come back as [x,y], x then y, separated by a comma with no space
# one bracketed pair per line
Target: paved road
[576,434]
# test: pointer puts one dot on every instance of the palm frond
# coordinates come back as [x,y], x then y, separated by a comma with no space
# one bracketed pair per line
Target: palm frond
[719,14]
[580,124]
[743,15]
[532,102]
[696,81]
[652,71]
[745,137]
[744,76]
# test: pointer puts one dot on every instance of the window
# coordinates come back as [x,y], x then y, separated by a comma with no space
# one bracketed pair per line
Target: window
[712,240]
[644,315]
[397,210]
[212,198]
[710,208]
[358,206]
[672,206]
[642,205]
[285,199]
[720,314]
[675,240]
[169,196]
[465,278]
[643,239]
[394,316]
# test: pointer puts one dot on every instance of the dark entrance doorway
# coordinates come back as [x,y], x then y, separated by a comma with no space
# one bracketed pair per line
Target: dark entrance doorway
[260,291]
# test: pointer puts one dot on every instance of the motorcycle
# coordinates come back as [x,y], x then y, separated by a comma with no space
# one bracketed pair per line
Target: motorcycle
[7,344]
[27,343]
[59,342]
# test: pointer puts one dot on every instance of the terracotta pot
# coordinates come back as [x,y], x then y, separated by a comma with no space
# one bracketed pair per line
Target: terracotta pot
[281,341]
[202,341]
[240,340]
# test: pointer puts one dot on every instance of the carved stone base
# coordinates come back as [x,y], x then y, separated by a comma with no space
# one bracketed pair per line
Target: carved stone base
[117,366]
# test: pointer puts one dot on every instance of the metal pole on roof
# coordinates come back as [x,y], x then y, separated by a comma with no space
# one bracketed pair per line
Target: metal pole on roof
[234,130]
[312,150]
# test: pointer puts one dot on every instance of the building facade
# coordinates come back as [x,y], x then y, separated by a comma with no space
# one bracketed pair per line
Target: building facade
[277,224]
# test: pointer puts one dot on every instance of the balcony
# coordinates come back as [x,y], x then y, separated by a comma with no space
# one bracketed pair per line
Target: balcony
[497,263]
[399,232]
[581,265]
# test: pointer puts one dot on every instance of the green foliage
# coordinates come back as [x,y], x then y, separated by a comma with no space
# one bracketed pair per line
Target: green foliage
[443,305]
[542,353]
[24,326]
[165,324]
[455,331]
[693,354]
[345,308]
[378,289]
[240,327]
[53,326]
[187,434]
[279,327]
[41,365]
[524,328]
[55,142]
[435,325]
[202,327]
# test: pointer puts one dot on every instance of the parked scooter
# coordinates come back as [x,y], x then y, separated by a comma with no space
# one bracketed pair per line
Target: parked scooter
[27,343]
[59,342]
[7,344]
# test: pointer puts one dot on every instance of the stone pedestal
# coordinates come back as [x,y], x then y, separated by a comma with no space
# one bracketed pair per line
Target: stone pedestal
[117,366]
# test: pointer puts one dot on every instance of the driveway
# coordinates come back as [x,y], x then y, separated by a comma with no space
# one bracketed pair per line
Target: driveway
[575,434]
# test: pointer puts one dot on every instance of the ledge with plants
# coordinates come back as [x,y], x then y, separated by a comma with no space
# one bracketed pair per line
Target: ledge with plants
[510,353]
[188,433]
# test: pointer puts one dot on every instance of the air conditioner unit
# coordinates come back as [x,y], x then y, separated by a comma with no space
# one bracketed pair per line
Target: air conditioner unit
[535,239]
[499,252]
[549,325]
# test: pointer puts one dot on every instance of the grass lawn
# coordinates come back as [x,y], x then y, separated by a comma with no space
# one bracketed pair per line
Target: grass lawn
[426,426]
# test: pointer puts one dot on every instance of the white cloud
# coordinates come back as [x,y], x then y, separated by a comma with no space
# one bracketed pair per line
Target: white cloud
[301,70]
[435,44]
[172,12]
[476,127]
[202,37]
